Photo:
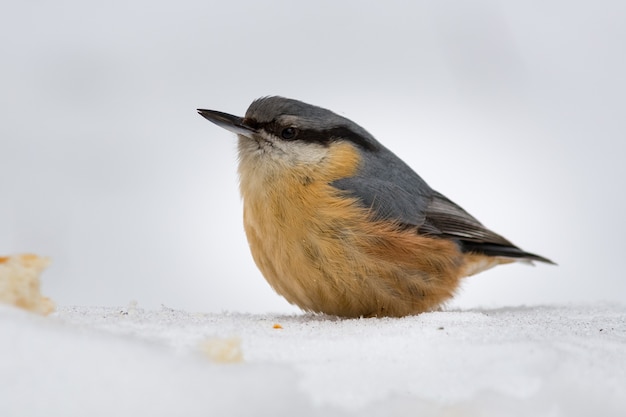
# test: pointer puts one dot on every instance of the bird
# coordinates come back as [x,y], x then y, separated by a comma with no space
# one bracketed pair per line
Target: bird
[340,225]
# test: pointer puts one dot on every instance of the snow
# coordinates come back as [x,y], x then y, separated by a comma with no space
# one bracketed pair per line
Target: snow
[521,361]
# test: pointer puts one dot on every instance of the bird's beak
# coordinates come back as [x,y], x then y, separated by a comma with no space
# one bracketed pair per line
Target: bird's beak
[228,121]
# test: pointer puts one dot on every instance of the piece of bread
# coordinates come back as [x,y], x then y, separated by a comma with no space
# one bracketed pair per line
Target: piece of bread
[19,282]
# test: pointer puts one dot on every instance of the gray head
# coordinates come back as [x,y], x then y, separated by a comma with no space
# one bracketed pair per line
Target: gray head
[312,123]
[290,130]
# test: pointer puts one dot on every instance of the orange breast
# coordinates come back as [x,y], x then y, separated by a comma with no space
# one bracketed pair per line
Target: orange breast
[322,251]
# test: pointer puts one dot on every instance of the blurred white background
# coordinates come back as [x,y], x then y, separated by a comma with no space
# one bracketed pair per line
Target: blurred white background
[514,110]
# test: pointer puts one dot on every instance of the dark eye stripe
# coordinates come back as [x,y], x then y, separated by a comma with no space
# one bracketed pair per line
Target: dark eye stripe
[343,133]
[323,137]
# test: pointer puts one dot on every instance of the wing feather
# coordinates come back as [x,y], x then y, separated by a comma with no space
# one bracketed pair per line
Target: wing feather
[431,213]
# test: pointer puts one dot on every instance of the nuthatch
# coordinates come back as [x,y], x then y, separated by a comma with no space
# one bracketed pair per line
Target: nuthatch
[340,225]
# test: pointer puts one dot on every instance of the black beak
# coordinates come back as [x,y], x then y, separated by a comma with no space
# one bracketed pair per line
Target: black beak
[227,121]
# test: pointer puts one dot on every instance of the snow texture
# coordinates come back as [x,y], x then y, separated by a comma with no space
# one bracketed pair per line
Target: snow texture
[524,361]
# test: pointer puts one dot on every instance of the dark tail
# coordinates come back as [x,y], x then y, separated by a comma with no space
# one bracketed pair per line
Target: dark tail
[491,249]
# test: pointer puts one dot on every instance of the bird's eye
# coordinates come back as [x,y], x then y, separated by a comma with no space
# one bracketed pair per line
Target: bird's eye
[289,133]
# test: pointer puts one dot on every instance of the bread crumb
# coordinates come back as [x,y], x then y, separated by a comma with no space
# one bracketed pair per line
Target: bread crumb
[223,350]
[277,326]
[19,282]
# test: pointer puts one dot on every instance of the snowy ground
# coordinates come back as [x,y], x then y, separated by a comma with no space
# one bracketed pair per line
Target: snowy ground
[524,361]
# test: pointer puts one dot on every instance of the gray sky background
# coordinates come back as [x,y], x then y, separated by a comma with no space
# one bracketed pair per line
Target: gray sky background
[514,110]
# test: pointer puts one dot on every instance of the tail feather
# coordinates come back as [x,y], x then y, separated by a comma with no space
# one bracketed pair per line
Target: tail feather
[491,249]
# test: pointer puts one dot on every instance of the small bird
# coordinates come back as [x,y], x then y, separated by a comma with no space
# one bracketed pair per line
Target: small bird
[340,225]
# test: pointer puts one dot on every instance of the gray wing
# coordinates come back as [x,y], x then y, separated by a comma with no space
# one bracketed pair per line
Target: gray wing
[427,210]
[431,213]
[387,200]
